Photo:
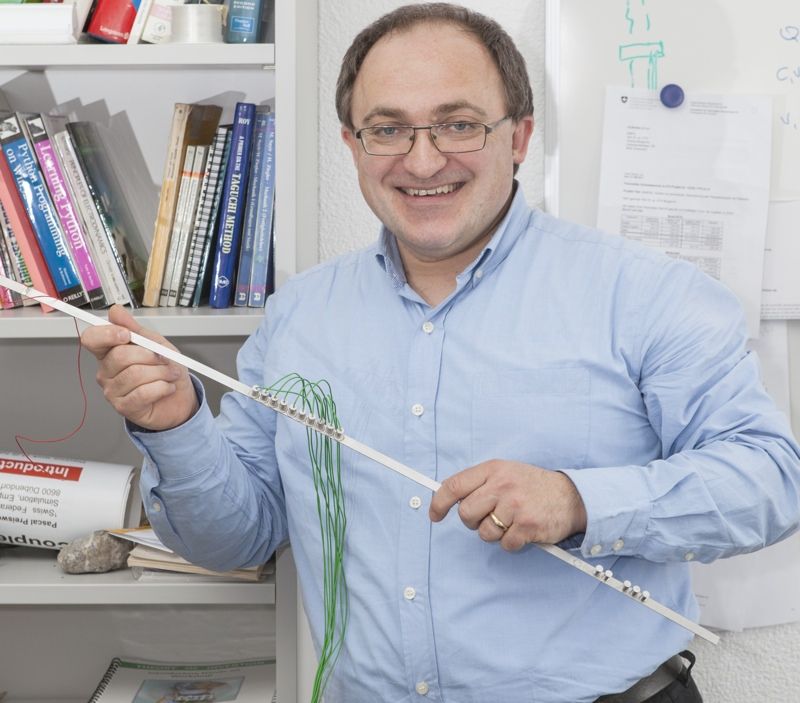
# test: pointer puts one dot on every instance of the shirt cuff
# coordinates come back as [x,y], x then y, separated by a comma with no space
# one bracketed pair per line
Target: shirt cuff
[618,507]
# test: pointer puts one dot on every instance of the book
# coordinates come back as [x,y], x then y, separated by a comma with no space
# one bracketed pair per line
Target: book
[152,558]
[101,239]
[254,188]
[14,210]
[191,125]
[151,553]
[262,275]
[74,235]
[8,298]
[137,28]
[112,206]
[50,501]
[195,279]
[19,271]
[185,214]
[20,157]
[139,681]
[111,20]
[232,206]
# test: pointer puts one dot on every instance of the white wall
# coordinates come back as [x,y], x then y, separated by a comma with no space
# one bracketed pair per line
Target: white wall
[756,665]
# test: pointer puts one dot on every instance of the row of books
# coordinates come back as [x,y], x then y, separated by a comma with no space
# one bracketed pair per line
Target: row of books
[214,227]
[66,226]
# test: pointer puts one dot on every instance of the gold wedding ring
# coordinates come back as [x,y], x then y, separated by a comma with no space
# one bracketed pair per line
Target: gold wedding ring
[497,521]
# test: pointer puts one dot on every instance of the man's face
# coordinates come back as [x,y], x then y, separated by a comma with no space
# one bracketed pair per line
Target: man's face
[437,205]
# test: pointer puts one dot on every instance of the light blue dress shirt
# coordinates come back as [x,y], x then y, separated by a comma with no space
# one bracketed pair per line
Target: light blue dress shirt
[562,347]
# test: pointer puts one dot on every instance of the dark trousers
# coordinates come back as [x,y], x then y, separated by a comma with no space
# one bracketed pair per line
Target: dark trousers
[677,686]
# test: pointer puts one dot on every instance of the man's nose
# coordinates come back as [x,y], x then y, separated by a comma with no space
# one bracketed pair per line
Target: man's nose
[424,160]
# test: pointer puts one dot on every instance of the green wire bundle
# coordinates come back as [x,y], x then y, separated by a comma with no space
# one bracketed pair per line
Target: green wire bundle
[325,454]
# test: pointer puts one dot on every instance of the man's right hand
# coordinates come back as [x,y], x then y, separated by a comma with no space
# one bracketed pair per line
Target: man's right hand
[147,389]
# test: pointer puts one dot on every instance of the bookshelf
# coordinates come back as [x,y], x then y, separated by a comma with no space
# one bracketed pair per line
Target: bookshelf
[76,623]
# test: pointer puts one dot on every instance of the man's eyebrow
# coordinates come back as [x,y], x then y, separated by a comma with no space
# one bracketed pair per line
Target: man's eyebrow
[440,111]
[390,113]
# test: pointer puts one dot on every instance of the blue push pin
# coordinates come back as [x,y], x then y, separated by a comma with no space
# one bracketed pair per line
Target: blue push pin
[671,95]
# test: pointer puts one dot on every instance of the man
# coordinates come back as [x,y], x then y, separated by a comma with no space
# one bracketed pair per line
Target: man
[566,386]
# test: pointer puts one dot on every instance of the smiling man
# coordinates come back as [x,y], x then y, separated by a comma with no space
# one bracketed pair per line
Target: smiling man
[564,385]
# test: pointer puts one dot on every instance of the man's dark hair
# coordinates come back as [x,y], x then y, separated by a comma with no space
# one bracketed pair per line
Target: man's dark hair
[509,62]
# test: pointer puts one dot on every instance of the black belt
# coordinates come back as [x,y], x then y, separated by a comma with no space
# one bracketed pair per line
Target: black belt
[674,669]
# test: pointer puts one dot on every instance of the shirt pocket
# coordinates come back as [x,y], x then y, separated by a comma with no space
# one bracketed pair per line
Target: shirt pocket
[538,416]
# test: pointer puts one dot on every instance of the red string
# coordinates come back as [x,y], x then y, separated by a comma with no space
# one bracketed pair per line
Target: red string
[18,438]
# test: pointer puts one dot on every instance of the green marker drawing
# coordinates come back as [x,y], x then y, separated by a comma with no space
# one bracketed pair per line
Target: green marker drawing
[648,53]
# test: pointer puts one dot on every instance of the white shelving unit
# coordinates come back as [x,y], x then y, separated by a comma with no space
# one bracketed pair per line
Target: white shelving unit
[66,628]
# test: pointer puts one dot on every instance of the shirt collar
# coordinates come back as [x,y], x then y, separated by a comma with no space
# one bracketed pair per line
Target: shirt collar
[497,248]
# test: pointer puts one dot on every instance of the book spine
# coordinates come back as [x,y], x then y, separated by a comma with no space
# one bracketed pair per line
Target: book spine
[41,213]
[178,224]
[206,211]
[262,247]
[204,277]
[142,12]
[8,298]
[182,249]
[111,20]
[166,206]
[251,209]
[65,209]
[20,269]
[244,20]
[98,237]
[232,206]
[24,234]
[110,202]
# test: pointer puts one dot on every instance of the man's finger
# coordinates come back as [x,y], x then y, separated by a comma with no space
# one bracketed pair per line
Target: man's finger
[454,489]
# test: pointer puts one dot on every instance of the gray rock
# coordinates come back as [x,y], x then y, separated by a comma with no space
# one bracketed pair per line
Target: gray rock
[94,554]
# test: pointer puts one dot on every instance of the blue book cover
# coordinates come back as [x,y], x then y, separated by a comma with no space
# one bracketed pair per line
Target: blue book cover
[39,207]
[251,209]
[261,275]
[232,206]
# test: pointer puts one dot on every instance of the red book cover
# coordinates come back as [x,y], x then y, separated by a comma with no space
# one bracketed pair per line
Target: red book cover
[26,238]
[111,20]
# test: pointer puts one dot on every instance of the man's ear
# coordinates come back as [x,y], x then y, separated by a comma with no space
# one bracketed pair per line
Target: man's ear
[521,138]
[352,143]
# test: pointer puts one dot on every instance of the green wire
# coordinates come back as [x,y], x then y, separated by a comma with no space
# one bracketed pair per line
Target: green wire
[325,455]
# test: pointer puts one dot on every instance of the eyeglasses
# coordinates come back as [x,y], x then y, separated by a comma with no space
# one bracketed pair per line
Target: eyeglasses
[447,137]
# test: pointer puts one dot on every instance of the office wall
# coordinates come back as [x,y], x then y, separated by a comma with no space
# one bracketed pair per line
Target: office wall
[755,665]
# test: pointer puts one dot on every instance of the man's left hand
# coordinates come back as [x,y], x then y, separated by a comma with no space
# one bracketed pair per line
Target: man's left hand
[513,503]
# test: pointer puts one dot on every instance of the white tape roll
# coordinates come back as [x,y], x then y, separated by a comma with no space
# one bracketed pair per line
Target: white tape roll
[196,24]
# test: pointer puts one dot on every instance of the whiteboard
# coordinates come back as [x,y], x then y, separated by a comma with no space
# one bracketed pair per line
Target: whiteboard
[708,46]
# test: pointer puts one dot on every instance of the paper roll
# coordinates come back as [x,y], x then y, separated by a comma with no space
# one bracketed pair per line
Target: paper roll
[197,24]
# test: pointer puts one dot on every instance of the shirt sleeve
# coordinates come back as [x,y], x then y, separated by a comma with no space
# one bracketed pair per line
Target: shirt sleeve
[728,476]
[211,487]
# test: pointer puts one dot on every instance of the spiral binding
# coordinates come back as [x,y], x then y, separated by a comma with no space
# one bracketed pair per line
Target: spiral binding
[103,685]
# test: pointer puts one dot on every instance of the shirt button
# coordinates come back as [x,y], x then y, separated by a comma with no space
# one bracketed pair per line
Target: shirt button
[596,549]
[422,688]
[415,502]
[417,409]
[619,544]
[688,556]
[427,327]
[479,274]
[409,593]
[156,506]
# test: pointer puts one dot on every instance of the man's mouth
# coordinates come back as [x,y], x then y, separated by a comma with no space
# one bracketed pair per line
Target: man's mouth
[439,190]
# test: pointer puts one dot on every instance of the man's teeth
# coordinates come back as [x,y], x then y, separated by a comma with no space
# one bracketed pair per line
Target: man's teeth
[432,191]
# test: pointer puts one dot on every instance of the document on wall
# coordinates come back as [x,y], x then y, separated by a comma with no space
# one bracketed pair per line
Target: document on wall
[692,181]
[780,293]
[758,589]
